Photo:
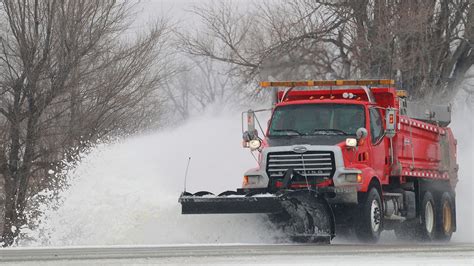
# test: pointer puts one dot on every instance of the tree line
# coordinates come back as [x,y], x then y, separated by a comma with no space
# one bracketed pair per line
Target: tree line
[425,45]
[73,72]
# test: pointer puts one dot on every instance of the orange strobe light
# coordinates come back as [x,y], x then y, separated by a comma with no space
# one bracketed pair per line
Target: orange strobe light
[311,83]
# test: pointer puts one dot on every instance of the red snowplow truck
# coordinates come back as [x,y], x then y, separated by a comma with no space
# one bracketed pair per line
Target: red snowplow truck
[346,156]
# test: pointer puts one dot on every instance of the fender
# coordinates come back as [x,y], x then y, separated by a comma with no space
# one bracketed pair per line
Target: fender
[367,174]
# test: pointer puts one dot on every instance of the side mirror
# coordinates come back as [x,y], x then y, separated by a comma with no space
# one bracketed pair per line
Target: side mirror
[246,137]
[361,133]
[250,136]
[252,132]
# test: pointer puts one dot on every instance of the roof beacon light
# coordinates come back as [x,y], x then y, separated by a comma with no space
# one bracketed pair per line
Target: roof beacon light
[312,83]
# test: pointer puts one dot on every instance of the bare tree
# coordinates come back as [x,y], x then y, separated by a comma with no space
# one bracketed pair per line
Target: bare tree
[278,39]
[67,79]
[426,45]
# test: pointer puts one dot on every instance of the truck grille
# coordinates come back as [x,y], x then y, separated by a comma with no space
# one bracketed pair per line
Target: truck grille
[317,164]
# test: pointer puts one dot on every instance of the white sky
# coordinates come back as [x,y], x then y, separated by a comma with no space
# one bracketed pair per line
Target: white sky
[173,9]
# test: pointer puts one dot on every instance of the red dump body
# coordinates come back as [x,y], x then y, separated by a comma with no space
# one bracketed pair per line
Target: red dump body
[420,149]
[425,150]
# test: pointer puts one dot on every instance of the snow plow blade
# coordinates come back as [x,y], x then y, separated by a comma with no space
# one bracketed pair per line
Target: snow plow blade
[304,215]
[207,203]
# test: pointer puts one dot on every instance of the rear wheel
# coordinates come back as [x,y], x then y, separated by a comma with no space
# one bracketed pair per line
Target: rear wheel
[369,224]
[426,230]
[445,217]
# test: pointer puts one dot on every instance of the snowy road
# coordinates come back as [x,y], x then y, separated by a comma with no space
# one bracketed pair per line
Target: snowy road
[339,254]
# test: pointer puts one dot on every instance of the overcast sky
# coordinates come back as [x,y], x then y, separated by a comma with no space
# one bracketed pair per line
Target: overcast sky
[173,9]
[152,8]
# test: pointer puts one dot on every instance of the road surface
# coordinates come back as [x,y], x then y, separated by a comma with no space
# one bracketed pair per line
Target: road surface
[339,254]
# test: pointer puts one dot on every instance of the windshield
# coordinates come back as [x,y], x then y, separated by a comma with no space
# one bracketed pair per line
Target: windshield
[317,119]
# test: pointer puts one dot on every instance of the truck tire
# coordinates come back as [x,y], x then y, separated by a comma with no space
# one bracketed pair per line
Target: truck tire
[369,223]
[427,229]
[445,217]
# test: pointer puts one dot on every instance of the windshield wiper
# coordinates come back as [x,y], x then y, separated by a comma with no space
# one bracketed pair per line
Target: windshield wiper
[330,131]
[292,132]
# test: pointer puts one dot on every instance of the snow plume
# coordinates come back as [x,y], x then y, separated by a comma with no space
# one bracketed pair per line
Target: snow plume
[463,129]
[127,193]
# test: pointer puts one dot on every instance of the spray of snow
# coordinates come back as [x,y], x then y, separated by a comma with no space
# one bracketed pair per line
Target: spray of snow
[463,128]
[127,193]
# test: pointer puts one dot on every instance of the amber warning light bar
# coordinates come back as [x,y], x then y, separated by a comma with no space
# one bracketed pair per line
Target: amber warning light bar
[311,83]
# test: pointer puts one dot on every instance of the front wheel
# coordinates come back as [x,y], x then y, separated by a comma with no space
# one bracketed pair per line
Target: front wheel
[369,223]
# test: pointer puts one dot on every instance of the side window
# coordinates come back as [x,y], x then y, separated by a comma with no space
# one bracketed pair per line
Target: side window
[376,126]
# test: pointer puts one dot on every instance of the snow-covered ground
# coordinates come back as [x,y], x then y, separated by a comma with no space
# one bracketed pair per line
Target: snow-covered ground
[460,254]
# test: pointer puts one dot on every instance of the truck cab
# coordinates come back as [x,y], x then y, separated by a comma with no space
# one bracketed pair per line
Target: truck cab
[327,138]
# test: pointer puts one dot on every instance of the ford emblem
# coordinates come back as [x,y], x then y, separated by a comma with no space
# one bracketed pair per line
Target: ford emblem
[300,149]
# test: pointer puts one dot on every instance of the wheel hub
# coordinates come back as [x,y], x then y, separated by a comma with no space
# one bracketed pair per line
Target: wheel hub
[447,217]
[429,217]
[375,215]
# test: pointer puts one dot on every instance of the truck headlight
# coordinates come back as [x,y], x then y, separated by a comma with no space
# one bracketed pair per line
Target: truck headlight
[254,144]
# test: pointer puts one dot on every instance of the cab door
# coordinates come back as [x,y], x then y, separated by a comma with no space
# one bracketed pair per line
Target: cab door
[379,147]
